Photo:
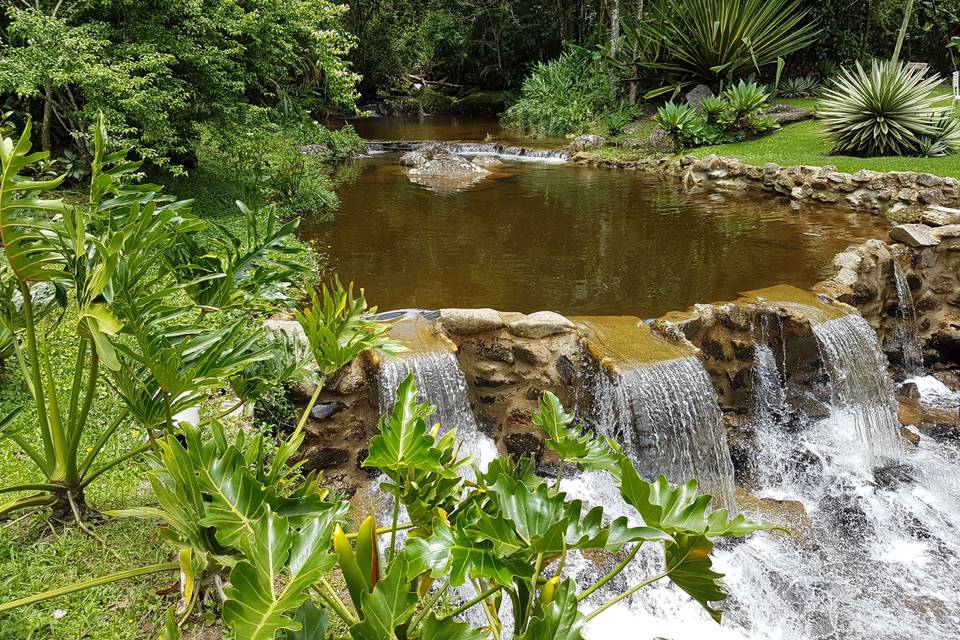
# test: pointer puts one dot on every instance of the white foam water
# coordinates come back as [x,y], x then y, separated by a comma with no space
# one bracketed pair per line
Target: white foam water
[908,333]
[667,417]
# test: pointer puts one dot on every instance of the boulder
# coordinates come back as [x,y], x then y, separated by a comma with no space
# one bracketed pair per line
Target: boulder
[940,216]
[785,114]
[524,443]
[586,142]
[540,325]
[661,141]
[947,231]
[696,95]
[469,321]
[315,150]
[438,160]
[326,410]
[914,235]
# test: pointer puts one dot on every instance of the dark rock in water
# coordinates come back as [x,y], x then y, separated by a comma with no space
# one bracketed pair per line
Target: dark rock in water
[909,390]
[324,458]
[845,507]
[521,444]
[326,410]
[550,469]
[439,169]
[893,475]
[804,462]
[696,95]
[944,431]
[372,472]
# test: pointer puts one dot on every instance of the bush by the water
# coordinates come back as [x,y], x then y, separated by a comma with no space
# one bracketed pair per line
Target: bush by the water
[564,96]
[889,110]
[735,116]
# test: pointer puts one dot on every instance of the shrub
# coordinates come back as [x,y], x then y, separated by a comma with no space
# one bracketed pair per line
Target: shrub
[799,87]
[888,110]
[563,96]
[745,98]
[724,40]
[681,122]
[712,107]
[945,141]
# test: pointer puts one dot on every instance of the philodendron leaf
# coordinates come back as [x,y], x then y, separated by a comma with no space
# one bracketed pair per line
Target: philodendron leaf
[446,629]
[403,442]
[679,509]
[566,439]
[313,623]
[689,566]
[560,619]
[259,603]
[390,605]
[454,553]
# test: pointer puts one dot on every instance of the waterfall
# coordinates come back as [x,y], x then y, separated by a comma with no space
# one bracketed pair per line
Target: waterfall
[666,416]
[862,390]
[908,335]
[441,383]
[503,152]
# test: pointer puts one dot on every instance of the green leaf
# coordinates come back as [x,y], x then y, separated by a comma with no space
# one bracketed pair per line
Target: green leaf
[403,441]
[447,629]
[563,437]
[259,603]
[313,623]
[689,566]
[390,605]
[560,619]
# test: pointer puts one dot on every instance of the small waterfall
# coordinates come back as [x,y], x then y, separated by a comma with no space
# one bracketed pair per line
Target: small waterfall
[861,388]
[908,334]
[441,383]
[666,414]
[771,394]
[504,152]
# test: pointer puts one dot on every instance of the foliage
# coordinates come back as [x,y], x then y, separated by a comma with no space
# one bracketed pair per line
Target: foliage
[799,87]
[563,96]
[736,115]
[720,41]
[134,329]
[158,71]
[888,110]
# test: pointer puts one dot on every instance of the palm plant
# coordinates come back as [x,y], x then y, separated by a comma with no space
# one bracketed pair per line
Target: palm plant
[720,41]
[888,110]
[799,87]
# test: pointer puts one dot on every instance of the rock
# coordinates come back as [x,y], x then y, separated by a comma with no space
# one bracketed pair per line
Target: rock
[661,141]
[486,102]
[909,411]
[943,432]
[534,353]
[326,410]
[785,114]
[540,325]
[524,443]
[914,235]
[586,142]
[438,160]
[469,321]
[696,95]
[910,436]
[324,458]
[315,150]
[946,231]
[940,216]
[634,128]
[789,514]
[893,475]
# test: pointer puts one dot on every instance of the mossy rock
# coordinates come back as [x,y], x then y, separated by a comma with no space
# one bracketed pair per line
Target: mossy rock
[435,102]
[483,103]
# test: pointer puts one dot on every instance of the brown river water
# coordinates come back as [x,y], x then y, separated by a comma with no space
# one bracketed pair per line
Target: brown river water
[573,239]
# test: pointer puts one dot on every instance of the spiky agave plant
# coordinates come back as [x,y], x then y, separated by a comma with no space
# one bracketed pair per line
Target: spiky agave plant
[886,110]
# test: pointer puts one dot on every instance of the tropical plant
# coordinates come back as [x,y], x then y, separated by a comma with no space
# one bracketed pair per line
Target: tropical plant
[103,265]
[945,141]
[799,87]
[680,121]
[712,108]
[720,41]
[564,96]
[745,98]
[887,110]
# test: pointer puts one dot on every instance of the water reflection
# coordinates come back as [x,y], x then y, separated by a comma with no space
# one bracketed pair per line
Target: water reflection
[574,239]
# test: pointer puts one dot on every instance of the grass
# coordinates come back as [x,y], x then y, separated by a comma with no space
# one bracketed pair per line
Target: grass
[803,143]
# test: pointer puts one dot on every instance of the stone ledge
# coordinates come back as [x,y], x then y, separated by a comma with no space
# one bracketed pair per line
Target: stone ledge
[871,190]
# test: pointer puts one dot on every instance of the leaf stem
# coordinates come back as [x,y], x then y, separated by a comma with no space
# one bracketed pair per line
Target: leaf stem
[623,596]
[473,601]
[607,578]
[330,597]
[426,609]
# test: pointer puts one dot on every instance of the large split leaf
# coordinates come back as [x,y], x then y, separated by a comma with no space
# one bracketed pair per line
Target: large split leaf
[390,605]
[566,439]
[690,568]
[403,442]
[447,629]
[560,619]
[259,604]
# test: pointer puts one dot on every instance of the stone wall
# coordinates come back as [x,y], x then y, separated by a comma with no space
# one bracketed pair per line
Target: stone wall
[895,191]
[928,256]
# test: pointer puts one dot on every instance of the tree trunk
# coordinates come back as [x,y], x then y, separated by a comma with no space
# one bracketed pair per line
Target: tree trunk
[634,90]
[47,117]
[903,31]
[614,26]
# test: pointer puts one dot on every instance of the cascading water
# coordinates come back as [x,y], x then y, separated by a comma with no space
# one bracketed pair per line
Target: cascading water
[472,149]
[882,552]
[666,415]
[441,383]
[908,334]
[861,388]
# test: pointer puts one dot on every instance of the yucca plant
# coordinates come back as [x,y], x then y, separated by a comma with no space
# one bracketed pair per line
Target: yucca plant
[799,87]
[680,121]
[719,41]
[888,110]
[712,107]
